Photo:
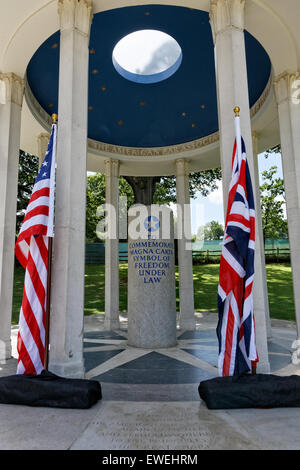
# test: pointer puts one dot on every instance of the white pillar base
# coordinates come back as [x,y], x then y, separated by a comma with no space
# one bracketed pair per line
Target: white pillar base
[187,324]
[75,370]
[5,350]
[111,324]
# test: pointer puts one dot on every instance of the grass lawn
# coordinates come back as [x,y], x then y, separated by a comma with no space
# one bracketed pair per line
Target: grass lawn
[205,287]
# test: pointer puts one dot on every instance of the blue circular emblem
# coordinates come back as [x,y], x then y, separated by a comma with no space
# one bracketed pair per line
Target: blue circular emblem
[152,223]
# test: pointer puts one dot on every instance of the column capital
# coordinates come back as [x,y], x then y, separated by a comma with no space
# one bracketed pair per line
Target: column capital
[112,167]
[226,14]
[182,167]
[11,88]
[75,14]
[286,86]
[43,136]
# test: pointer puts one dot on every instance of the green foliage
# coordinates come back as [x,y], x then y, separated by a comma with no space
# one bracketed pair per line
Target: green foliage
[95,197]
[28,170]
[276,149]
[272,205]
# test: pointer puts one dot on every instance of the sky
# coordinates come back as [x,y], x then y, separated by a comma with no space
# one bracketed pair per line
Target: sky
[146,52]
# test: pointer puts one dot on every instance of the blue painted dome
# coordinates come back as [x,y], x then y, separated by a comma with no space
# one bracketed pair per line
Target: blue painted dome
[178,109]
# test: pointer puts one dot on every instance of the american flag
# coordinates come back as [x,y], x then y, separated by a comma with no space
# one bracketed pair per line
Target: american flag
[32,252]
[236,328]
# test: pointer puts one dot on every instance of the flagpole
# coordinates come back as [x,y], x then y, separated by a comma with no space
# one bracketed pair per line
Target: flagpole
[49,277]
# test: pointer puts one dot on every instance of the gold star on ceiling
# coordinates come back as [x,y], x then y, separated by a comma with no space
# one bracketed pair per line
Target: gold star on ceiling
[183,114]
[103,88]
[54,46]
[90,108]
[92,51]
[143,104]
[95,71]
[121,123]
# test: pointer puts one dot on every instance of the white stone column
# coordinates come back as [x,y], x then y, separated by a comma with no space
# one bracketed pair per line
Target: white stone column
[185,255]
[227,21]
[258,220]
[289,123]
[111,321]
[67,296]
[42,143]
[11,98]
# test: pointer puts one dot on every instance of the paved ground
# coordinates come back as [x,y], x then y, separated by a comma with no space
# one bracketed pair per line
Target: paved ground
[150,399]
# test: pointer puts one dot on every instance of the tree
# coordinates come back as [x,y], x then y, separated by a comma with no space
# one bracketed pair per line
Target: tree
[143,188]
[272,205]
[162,190]
[211,231]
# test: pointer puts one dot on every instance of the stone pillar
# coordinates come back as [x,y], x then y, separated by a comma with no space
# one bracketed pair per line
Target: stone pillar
[262,263]
[111,321]
[67,295]
[11,98]
[227,21]
[185,255]
[151,283]
[289,123]
[42,143]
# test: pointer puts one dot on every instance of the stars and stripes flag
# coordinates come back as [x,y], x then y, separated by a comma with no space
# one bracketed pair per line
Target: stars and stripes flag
[236,325]
[32,252]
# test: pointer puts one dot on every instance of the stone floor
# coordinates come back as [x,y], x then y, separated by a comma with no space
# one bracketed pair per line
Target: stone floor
[150,399]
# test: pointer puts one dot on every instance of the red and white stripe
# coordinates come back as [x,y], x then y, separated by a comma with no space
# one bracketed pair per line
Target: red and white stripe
[32,252]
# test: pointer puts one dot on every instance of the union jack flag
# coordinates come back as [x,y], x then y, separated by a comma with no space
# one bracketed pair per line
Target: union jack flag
[32,252]
[236,325]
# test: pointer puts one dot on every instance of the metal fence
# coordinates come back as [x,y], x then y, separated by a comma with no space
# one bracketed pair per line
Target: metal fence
[203,252]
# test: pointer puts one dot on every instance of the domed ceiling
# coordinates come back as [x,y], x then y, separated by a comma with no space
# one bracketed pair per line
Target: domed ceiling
[179,109]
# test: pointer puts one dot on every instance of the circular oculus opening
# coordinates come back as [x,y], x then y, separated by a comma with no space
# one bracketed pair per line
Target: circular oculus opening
[147,56]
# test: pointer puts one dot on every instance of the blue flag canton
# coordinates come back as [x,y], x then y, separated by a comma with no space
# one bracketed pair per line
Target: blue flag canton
[45,170]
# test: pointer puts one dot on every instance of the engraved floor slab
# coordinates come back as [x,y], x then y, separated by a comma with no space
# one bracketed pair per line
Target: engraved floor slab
[159,415]
[167,426]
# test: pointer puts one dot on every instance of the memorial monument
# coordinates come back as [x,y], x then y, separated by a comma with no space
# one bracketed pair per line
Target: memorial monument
[151,280]
[56,57]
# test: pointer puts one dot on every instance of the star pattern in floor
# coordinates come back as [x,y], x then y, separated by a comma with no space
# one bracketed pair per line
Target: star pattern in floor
[109,359]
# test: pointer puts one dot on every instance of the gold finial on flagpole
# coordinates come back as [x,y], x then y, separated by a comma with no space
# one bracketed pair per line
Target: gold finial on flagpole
[237,111]
[54,118]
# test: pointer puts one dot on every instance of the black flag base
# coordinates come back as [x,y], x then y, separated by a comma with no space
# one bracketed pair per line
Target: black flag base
[49,390]
[251,391]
